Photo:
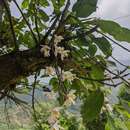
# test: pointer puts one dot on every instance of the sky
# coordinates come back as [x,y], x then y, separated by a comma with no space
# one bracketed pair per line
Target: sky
[117,10]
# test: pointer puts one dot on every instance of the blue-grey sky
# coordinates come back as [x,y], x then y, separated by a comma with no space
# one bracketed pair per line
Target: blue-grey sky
[118,10]
[107,9]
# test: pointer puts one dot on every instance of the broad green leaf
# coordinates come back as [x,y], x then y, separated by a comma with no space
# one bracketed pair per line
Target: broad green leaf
[27,40]
[61,2]
[55,86]
[43,15]
[54,83]
[78,86]
[104,45]
[124,93]
[57,4]
[97,72]
[92,49]
[84,8]
[43,3]
[92,106]
[25,4]
[114,29]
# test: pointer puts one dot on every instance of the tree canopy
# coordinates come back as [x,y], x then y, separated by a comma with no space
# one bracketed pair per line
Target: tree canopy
[57,48]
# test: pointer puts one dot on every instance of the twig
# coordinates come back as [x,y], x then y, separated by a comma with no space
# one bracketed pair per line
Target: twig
[62,19]
[119,62]
[33,93]
[33,35]
[101,81]
[50,30]
[15,99]
[61,89]
[33,98]
[78,36]
[104,67]
[11,25]
[113,41]
[36,22]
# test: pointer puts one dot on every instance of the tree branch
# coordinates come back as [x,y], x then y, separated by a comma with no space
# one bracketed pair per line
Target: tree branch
[11,25]
[33,35]
[113,41]
[77,36]
[16,65]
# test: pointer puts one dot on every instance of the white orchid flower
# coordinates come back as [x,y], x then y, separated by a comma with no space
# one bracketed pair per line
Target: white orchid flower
[58,39]
[45,50]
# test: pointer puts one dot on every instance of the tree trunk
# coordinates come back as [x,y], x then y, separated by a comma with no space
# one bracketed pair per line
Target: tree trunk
[15,65]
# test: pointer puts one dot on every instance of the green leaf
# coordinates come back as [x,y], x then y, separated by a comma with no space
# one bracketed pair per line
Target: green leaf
[43,15]
[60,2]
[97,72]
[92,49]
[110,124]
[128,124]
[57,4]
[25,4]
[27,40]
[43,3]
[78,86]
[54,83]
[111,63]
[92,106]
[104,45]
[84,8]
[114,29]
[120,124]
[115,124]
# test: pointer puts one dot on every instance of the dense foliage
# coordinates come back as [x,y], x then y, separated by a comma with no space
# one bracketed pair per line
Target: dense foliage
[55,62]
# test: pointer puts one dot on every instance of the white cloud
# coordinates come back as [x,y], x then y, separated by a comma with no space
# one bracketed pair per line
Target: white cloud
[113,9]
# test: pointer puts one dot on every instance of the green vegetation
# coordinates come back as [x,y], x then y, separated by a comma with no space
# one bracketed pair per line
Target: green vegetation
[55,68]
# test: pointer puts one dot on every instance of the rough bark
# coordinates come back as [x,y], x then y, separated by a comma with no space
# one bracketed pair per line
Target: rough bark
[15,65]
